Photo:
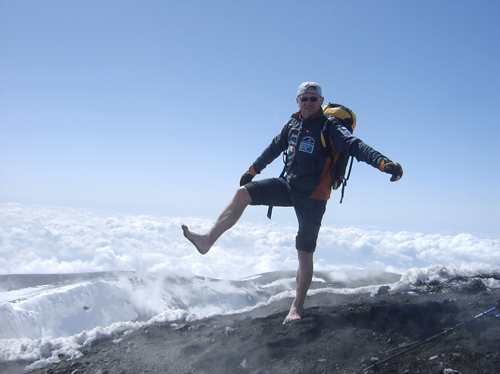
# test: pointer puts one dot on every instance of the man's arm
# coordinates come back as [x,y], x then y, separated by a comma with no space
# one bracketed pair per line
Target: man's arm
[343,140]
[273,150]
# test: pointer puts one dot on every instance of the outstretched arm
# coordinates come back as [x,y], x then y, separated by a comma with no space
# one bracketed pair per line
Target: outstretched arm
[273,150]
[343,140]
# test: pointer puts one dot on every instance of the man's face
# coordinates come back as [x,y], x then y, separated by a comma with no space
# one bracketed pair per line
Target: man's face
[309,108]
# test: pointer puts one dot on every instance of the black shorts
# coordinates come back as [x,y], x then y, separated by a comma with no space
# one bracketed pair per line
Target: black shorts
[277,192]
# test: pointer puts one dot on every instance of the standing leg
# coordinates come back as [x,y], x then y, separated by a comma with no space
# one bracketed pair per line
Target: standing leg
[309,215]
[228,218]
[304,278]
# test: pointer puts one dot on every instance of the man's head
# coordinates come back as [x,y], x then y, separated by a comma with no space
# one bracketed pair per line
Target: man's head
[309,99]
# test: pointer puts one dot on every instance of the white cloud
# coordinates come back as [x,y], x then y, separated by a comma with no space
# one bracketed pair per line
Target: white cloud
[41,239]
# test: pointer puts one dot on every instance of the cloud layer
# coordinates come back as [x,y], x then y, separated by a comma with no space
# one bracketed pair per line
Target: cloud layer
[43,239]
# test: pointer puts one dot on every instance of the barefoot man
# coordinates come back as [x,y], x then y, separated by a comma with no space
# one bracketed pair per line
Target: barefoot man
[306,186]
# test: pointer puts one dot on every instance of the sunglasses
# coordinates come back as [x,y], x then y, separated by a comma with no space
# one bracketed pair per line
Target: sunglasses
[312,98]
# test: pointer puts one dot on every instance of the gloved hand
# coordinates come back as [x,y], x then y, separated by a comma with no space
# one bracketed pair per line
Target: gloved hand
[248,176]
[393,168]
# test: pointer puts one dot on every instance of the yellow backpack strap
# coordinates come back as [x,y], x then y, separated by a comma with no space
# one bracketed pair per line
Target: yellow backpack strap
[323,140]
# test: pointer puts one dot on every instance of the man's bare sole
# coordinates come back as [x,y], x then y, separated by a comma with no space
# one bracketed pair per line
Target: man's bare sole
[194,239]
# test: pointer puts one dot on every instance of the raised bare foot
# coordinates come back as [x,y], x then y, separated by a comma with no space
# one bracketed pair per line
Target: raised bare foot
[199,241]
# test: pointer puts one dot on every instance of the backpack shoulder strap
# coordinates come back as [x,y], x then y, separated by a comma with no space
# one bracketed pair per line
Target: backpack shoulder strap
[323,130]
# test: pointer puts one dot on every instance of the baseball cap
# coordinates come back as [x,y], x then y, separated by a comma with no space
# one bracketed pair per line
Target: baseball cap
[309,87]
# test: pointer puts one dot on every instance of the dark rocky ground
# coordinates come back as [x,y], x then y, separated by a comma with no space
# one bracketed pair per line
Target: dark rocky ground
[338,334]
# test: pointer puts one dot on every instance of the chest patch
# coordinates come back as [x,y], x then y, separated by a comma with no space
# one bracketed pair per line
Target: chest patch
[307,145]
[293,137]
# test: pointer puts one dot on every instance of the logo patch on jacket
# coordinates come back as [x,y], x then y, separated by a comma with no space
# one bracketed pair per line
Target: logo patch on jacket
[344,131]
[293,137]
[307,145]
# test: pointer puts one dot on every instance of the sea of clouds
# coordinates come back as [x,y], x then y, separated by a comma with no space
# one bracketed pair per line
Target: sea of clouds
[48,240]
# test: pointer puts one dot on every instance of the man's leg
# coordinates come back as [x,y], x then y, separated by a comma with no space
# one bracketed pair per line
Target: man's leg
[229,216]
[304,278]
[309,215]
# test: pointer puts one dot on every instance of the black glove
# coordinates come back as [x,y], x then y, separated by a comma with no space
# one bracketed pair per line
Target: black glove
[393,168]
[248,176]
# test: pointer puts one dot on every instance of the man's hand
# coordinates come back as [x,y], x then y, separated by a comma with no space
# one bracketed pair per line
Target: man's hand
[248,176]
[393,168]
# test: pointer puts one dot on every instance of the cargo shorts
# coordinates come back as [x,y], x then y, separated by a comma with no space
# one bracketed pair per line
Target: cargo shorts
[277,192]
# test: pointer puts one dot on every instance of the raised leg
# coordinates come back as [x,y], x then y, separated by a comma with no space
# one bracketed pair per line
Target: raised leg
[228,218]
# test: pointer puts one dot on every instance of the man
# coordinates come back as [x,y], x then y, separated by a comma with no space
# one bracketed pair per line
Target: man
[306,186]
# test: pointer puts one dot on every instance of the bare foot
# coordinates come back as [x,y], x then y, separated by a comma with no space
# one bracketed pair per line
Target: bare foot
[199,241]
[293,316]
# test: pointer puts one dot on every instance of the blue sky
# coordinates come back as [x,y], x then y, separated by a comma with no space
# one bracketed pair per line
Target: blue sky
[158,107]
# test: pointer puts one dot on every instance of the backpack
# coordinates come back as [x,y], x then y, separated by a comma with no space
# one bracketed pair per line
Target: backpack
[339,160]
